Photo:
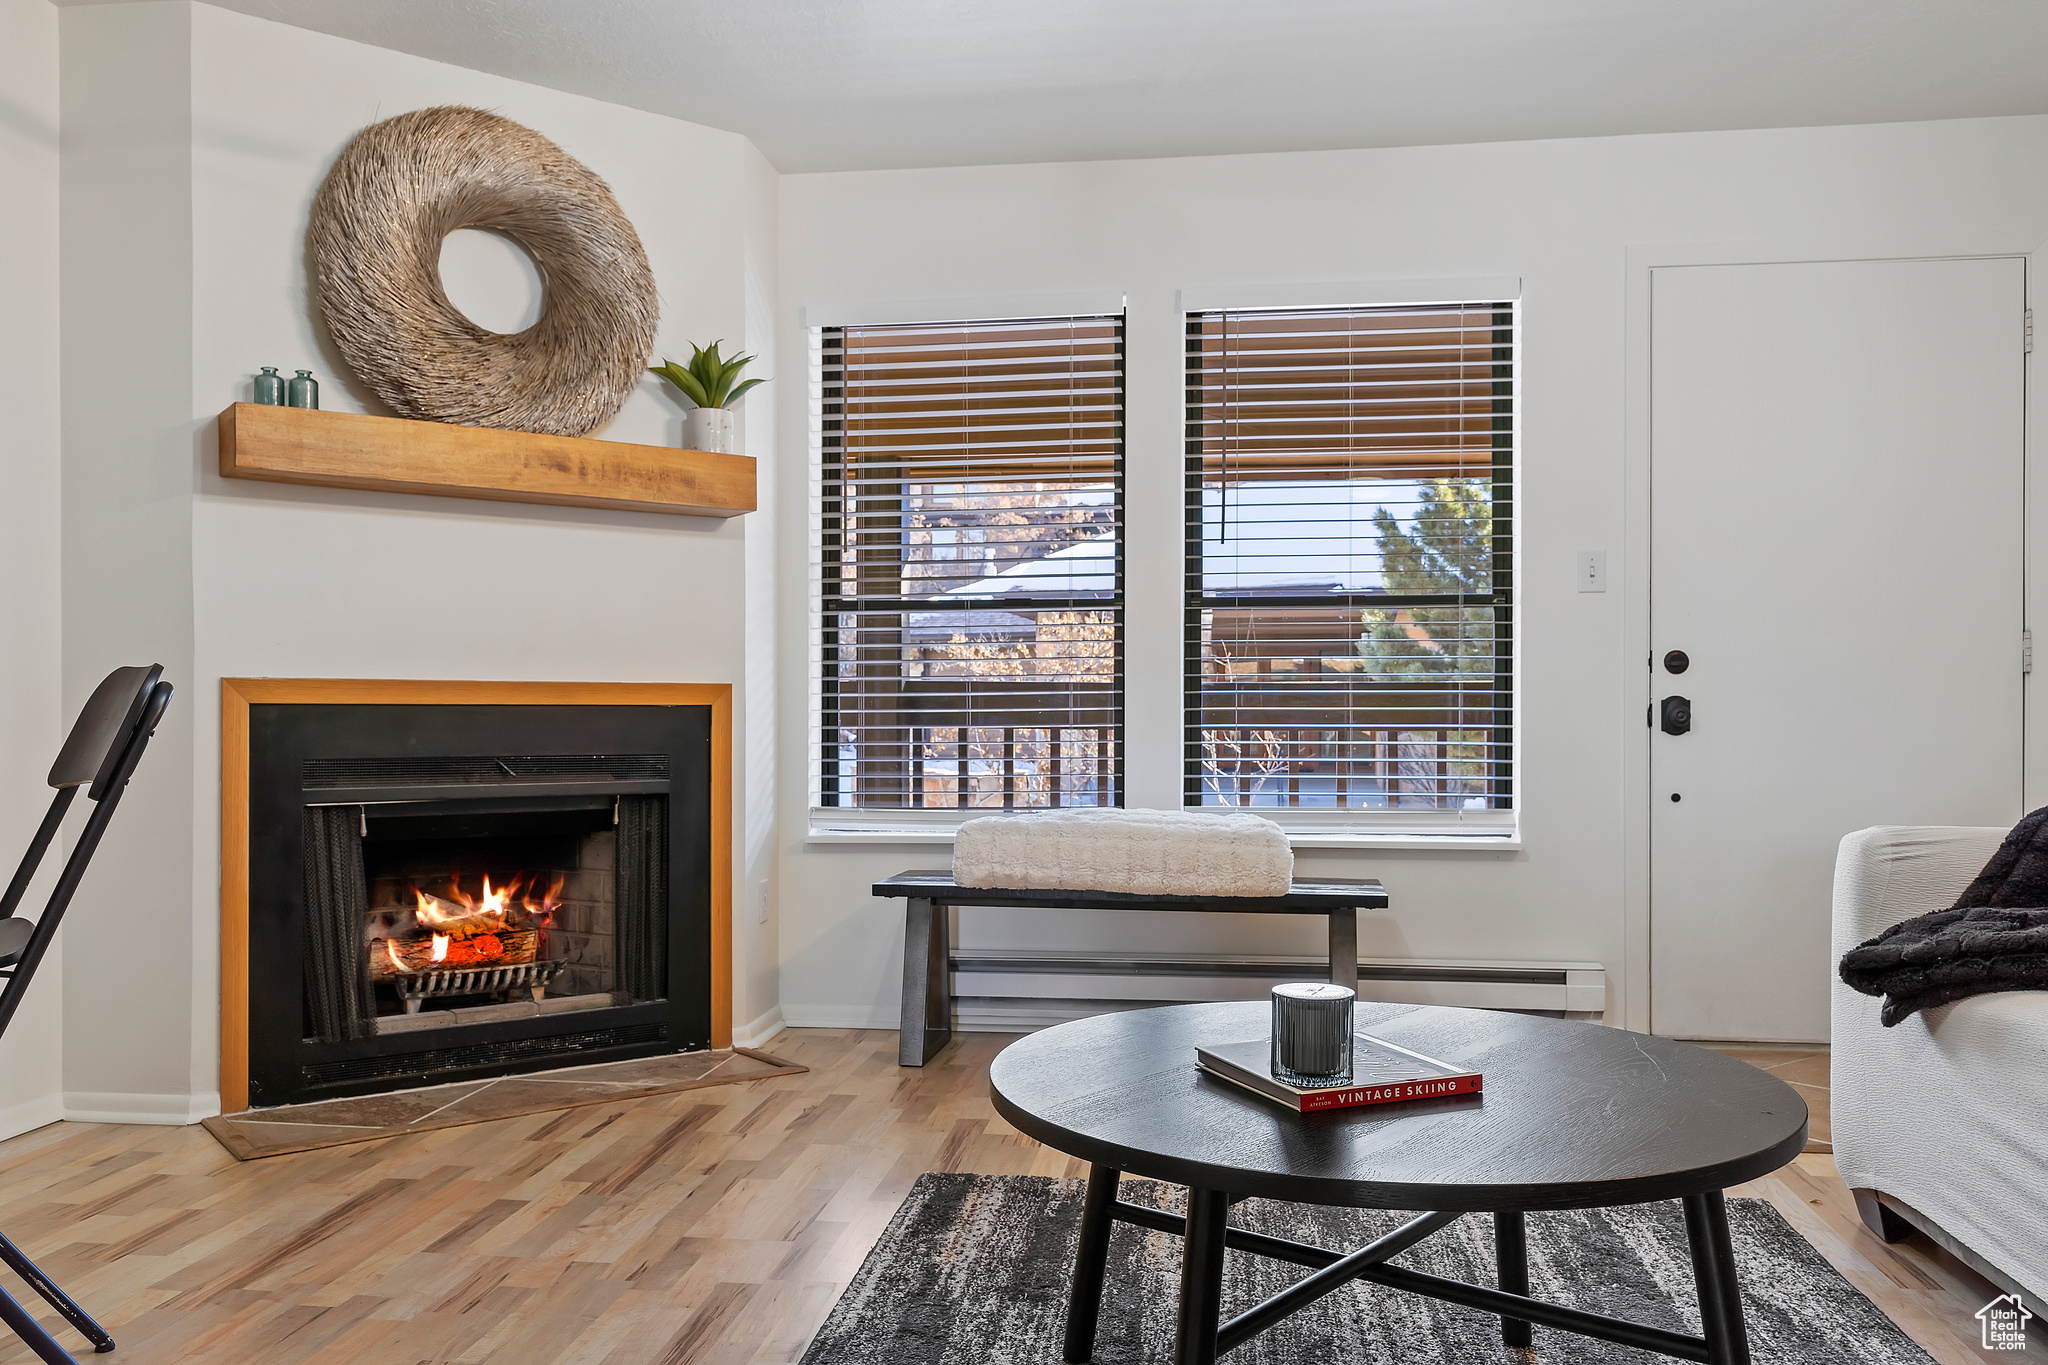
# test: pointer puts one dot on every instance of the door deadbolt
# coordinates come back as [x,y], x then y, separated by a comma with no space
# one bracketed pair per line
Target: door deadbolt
[1677,715]
[1676,661]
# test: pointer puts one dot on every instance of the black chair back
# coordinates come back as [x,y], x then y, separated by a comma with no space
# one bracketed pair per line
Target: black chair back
[99,755]
[92,751]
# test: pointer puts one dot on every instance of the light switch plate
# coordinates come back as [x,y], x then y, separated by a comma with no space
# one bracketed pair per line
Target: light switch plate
[1592,571]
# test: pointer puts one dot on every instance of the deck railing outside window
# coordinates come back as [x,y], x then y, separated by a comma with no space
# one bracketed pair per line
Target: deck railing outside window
[970,566]
[1350,603]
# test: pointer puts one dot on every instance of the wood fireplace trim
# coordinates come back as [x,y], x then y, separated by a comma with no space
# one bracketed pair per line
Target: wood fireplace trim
[238,694]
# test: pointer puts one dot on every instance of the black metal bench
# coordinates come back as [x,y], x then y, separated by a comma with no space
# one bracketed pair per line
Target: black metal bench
[928,952]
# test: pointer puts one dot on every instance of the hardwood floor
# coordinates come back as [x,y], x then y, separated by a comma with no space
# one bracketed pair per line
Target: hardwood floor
[715,1226]
[1805,1069]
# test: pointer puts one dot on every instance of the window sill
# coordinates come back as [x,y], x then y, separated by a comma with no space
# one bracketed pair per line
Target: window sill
[879,837]
[1456,843]
[1442,843]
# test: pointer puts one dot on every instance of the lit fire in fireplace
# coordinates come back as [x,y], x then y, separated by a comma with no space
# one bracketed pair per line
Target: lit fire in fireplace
[456,930]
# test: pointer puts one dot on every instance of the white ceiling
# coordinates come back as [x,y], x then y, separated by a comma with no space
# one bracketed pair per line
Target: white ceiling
[861,84]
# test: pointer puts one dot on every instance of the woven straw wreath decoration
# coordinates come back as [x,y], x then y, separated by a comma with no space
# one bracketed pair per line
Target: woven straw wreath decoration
[402,185]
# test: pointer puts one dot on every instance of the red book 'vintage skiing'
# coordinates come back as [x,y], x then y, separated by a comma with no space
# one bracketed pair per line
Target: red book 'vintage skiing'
[1381,1073]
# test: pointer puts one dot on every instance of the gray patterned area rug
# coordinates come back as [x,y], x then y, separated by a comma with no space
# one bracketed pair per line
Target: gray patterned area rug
[973,1271]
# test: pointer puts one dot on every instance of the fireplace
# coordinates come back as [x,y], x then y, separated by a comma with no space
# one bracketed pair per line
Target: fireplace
[449,889]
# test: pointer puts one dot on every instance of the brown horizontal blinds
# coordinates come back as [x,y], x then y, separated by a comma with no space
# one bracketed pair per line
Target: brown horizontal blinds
[1350,609]
[971,566]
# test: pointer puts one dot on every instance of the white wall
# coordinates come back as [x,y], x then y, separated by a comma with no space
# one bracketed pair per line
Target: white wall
[754,935]
[31,726]
[127,524]
[1560,215]
[300,582]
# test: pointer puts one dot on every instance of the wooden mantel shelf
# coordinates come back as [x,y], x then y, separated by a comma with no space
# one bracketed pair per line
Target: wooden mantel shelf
[394,455]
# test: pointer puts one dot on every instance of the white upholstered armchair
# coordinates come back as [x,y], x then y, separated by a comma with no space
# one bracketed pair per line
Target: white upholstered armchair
[1940,1123]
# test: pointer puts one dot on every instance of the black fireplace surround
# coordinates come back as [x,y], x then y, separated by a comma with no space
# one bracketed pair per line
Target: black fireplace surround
[353,807]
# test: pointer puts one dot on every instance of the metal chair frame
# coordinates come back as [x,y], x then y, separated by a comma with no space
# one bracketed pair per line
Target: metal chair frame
[100,754]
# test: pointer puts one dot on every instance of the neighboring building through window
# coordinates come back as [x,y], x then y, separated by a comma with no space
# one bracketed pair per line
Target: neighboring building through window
[1350,603]
[970,566]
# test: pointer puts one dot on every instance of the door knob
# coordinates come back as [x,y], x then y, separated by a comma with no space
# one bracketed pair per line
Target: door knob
[1677,715]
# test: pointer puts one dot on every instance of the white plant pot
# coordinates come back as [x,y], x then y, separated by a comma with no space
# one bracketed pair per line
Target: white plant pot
[709,429]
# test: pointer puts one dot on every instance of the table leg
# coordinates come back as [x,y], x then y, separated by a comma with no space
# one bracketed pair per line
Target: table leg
[1713,1270]
[1511,1257]
[1344,947]
[925,1022]
[1091,1258]
[1201,1277]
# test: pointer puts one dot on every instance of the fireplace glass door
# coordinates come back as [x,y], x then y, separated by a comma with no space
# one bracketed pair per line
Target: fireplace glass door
[469,912]
[463,914]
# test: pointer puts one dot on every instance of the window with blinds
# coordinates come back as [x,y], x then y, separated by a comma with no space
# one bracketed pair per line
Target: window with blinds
[1350,604]
[970,566]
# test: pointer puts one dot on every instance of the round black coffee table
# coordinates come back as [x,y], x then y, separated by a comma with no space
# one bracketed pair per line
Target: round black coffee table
[1574,1116]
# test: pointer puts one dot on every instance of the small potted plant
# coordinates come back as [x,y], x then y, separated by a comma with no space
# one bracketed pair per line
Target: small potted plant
[710,383]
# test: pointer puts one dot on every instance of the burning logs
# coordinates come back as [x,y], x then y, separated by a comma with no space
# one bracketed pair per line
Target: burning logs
[395,957]
[443,934]
[461,921]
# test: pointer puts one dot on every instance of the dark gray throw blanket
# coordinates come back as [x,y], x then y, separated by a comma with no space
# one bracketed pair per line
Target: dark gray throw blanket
[1995,937]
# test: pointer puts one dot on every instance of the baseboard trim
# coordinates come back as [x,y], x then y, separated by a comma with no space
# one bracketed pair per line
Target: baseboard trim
[30,1115]
[827,1016]
[758,1032]
[104,1106]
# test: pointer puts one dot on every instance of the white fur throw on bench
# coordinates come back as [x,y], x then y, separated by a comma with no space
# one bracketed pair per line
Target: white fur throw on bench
[1143,852]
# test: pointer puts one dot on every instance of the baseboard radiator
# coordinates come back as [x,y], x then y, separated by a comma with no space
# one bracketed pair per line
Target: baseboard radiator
[1003,991]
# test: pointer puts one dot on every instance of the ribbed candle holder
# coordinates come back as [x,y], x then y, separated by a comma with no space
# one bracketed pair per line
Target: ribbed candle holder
[1312,1032]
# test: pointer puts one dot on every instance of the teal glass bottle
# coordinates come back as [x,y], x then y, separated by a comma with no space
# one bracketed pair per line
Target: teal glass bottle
[304,390]
[270,387]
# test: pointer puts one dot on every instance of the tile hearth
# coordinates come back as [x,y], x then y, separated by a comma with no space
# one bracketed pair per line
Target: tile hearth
[258,1133]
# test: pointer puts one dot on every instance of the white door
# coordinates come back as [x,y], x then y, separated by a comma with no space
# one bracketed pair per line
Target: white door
[1837,532]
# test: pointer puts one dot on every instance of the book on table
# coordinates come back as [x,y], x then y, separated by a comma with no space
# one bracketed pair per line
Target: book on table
[1381,1073]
